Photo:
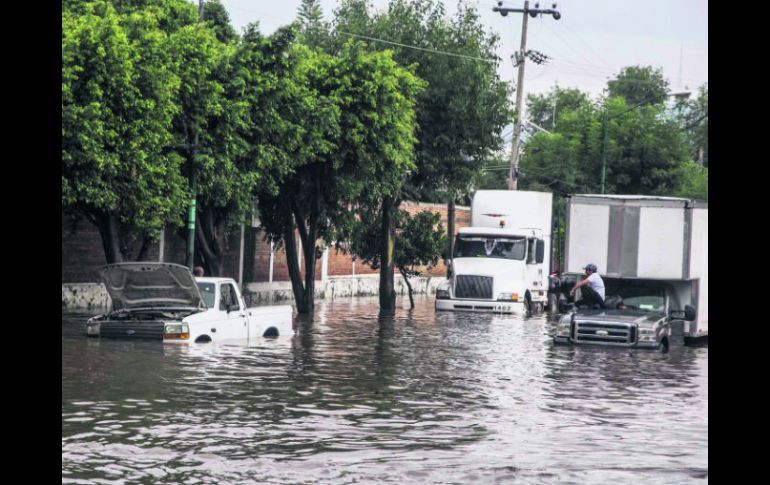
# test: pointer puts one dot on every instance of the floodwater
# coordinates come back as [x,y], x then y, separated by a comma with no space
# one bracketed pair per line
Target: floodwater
[415,398]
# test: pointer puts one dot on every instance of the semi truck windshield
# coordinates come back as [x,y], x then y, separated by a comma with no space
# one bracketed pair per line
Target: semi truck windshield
[490,247]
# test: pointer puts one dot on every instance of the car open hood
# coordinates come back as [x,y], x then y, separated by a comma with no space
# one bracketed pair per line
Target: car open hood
[150,285]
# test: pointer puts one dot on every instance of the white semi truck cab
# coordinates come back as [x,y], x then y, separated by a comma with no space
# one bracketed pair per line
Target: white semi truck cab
[501,262]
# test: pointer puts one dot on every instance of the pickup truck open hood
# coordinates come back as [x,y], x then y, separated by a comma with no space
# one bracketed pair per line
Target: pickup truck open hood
[150,285]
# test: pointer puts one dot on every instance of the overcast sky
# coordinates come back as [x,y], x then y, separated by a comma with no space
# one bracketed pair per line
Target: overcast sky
[589,44]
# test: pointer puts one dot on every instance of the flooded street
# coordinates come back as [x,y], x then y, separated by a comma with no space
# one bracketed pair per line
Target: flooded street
[415,398]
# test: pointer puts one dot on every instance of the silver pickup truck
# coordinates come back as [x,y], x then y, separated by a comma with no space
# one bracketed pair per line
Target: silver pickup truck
[639,314]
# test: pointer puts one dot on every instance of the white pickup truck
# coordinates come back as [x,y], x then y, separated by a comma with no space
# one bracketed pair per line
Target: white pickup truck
[162,301]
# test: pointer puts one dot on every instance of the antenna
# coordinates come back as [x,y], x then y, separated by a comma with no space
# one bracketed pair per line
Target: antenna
[681,55]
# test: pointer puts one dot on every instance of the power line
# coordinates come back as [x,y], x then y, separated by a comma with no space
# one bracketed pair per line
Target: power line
[593,52]
[434,51]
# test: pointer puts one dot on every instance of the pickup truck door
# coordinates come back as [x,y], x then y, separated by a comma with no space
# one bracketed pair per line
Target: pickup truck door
[232,323]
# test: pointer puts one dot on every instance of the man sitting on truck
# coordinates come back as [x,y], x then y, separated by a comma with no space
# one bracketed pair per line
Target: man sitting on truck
[592,288]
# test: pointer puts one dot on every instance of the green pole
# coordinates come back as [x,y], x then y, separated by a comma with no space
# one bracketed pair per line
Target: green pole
[604,154]
[191,219]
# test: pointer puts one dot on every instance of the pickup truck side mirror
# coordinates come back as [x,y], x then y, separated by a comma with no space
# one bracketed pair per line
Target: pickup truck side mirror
[231,307]
[689,313]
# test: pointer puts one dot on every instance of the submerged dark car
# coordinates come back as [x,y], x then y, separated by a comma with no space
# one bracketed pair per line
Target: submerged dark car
[644,318]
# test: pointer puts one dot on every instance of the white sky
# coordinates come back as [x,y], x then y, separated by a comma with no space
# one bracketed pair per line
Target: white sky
[591,42]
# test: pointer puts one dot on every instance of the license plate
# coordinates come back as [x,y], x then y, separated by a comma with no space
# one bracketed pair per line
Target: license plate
[502,308]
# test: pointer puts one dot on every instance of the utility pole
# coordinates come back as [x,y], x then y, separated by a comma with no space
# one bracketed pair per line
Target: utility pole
[520,59]
[193,183]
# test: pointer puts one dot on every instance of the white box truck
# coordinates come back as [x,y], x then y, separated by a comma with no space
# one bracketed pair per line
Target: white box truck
[652,253]
[501,263]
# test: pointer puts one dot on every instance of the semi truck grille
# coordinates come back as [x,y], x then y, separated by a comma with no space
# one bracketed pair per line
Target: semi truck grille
[608,333]
[475,287]
[146,330]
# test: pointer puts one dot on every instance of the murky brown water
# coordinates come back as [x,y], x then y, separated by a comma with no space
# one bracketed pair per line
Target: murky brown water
[416,398]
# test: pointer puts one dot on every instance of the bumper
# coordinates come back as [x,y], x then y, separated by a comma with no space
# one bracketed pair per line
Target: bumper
[480,306]
[638,345]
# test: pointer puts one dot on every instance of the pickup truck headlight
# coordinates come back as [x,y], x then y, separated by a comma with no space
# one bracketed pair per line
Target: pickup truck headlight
[646,335]
[176,331]
[508,297]
[564,329]
[442,294]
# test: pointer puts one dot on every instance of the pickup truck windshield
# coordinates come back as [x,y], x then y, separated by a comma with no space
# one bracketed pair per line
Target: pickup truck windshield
[650,303]
[207,292]
[490,247]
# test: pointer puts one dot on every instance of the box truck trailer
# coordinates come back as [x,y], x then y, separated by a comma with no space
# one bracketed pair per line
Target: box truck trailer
[501,263]
[652,253]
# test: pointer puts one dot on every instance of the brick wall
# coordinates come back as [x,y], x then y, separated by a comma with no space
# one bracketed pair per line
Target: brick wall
[83,254]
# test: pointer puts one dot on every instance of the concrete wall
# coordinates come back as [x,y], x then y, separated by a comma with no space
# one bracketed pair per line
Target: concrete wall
[83,254]
[94,296]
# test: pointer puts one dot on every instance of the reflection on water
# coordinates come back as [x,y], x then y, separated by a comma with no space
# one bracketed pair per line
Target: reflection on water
[418,397]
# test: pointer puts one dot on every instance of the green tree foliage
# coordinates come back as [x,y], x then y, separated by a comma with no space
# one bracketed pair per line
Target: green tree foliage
[695,121]
[313,31]
[544,109]
[217,19]
[355,118]
[421,241]
[645,149]
[117,105]
[637,85]
[203,130]
[462,112]
[695,181]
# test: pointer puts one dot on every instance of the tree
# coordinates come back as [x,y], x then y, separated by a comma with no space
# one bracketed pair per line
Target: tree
[355,112]
[217,19]
[639,85]
[644,152]
[695,181]
[421,241]
[117,106]
[695,122]
[203,128]
[313,31]
[461,113]
[541,108]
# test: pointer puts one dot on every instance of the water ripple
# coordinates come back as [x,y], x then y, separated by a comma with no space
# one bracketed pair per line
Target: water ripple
[418,397]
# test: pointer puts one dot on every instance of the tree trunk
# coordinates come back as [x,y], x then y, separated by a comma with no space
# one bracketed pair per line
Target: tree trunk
[207,243]
[408,286]
[143,249]
[387,250]
[109,231]
[300,297]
